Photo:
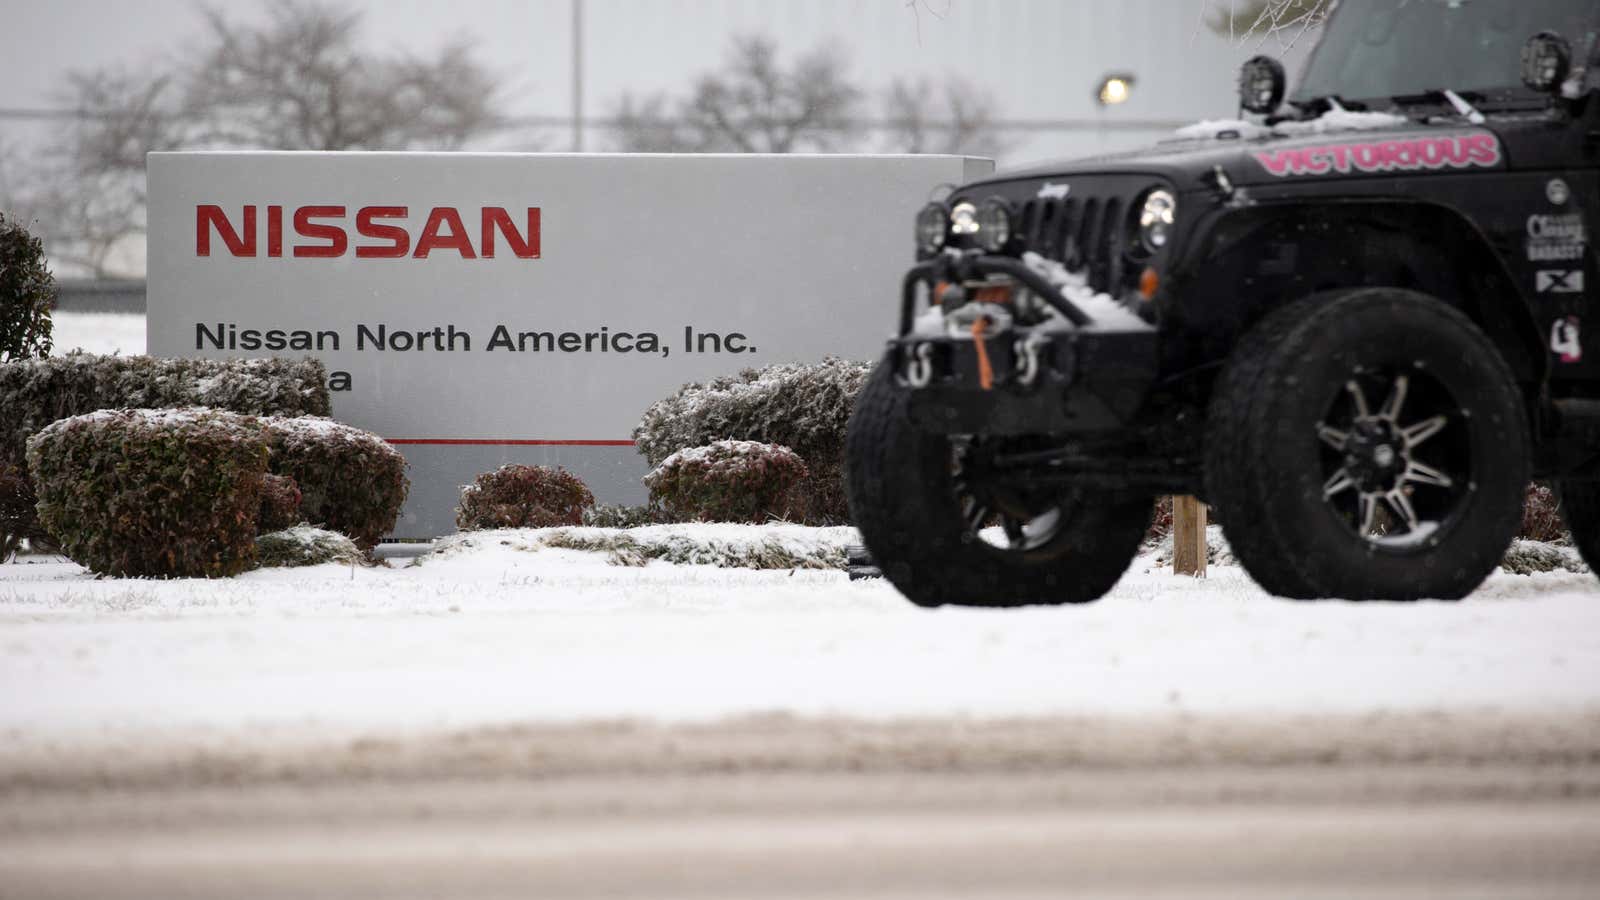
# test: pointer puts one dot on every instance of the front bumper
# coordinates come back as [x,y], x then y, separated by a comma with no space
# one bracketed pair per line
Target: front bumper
[1045,380]
[1083,381]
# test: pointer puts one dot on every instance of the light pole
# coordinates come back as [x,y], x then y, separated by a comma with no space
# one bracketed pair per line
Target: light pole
[577,76]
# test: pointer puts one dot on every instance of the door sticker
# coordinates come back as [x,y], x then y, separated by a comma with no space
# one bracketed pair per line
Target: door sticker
[1564,339]
[1559,281]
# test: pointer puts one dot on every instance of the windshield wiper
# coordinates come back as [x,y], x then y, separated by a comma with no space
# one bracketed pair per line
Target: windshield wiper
[1459,102]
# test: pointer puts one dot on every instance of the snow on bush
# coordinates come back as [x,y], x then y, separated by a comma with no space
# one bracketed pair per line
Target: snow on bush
[280,503]
[607,516]
[36,392]
[304,545]
[726,545]
[515,496]
[351,481]
[163,493]
[804,407]
[728,481]
[1527,557]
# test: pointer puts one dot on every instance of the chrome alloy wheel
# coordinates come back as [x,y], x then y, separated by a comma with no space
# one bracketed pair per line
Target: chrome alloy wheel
[1005,520]
[1399,473]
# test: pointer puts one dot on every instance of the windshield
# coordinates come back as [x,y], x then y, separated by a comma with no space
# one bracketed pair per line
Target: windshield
[1379,49]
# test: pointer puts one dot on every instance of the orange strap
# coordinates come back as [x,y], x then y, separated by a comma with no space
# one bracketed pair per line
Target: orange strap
[985,371]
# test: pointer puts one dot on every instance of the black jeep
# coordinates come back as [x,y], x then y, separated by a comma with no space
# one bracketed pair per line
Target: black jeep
[1357,325]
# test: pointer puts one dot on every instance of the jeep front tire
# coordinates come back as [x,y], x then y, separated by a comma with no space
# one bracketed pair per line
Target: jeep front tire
[942,537]
[1381,451]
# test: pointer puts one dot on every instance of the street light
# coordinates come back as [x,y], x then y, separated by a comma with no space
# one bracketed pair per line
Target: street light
[1114,88]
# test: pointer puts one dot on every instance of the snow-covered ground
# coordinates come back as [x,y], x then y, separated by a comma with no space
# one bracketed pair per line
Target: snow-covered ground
[98,333]
[500,630]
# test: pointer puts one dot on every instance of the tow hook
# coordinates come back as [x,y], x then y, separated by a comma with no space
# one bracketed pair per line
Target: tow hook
[919,370]
[1027,352]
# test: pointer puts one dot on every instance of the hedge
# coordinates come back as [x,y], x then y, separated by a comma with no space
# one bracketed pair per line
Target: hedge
[27,293]
[515,496]
[163,493]
[802,407]
[351,481]
[280,504]
[36,392]
[729,481]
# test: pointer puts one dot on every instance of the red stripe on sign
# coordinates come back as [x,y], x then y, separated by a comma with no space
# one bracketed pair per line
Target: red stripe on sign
[458,442]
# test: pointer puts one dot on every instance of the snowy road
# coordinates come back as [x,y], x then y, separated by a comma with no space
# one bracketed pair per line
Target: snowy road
[1373,832]
[505,721]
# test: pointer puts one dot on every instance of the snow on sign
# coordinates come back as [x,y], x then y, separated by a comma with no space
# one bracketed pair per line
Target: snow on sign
[480,309]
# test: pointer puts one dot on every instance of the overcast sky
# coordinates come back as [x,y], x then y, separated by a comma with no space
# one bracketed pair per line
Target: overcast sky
[1040,58]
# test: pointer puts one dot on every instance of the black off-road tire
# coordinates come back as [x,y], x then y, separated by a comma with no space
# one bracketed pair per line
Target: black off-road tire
[1282,507]
[1232,489]
[904,500]
[1580,508]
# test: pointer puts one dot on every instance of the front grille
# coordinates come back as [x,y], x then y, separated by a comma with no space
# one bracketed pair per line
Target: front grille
[1080,232]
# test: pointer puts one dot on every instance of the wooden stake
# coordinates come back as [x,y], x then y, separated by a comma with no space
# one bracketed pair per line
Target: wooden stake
[1188,537]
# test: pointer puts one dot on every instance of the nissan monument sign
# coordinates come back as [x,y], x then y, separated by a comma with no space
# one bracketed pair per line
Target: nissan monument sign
[482,309]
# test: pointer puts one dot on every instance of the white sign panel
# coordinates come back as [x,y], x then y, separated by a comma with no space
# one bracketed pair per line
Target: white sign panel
[478,309]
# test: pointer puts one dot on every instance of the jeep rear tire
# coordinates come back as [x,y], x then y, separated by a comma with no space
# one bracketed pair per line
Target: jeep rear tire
[924,524]
[1382,455]
[1580,508]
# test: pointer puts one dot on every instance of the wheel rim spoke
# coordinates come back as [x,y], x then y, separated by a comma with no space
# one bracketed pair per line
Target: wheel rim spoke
[1013,528]
[1420,473]
[1401,504]
[1369,513]
[976,514]
[1360,399]
[1396,399]
[1333,437]
[1423,430]
[1340,481]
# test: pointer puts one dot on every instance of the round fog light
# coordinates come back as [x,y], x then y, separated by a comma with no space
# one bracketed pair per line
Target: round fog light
[994,224]
[933,226]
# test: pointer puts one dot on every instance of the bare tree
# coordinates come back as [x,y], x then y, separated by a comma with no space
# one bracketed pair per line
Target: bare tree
[754,105]
[1283,21]
[955,117]
[298,81]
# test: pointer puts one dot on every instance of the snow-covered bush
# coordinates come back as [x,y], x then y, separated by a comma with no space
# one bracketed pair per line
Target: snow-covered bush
[141,492]
[27,291]
[515,496]
[802,407]
[351,481]
[1541,516]
[280,503]
[36,392]
[1525,557]
[682,546]
[304,545]
[728,481]
[607,516]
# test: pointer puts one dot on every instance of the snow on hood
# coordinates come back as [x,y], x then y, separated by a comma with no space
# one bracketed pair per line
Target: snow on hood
[1332,120]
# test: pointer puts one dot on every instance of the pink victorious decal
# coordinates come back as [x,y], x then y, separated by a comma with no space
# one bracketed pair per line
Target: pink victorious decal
[1460,152]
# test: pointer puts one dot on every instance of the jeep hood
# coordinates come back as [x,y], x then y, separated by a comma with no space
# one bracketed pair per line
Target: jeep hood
[1260,156]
